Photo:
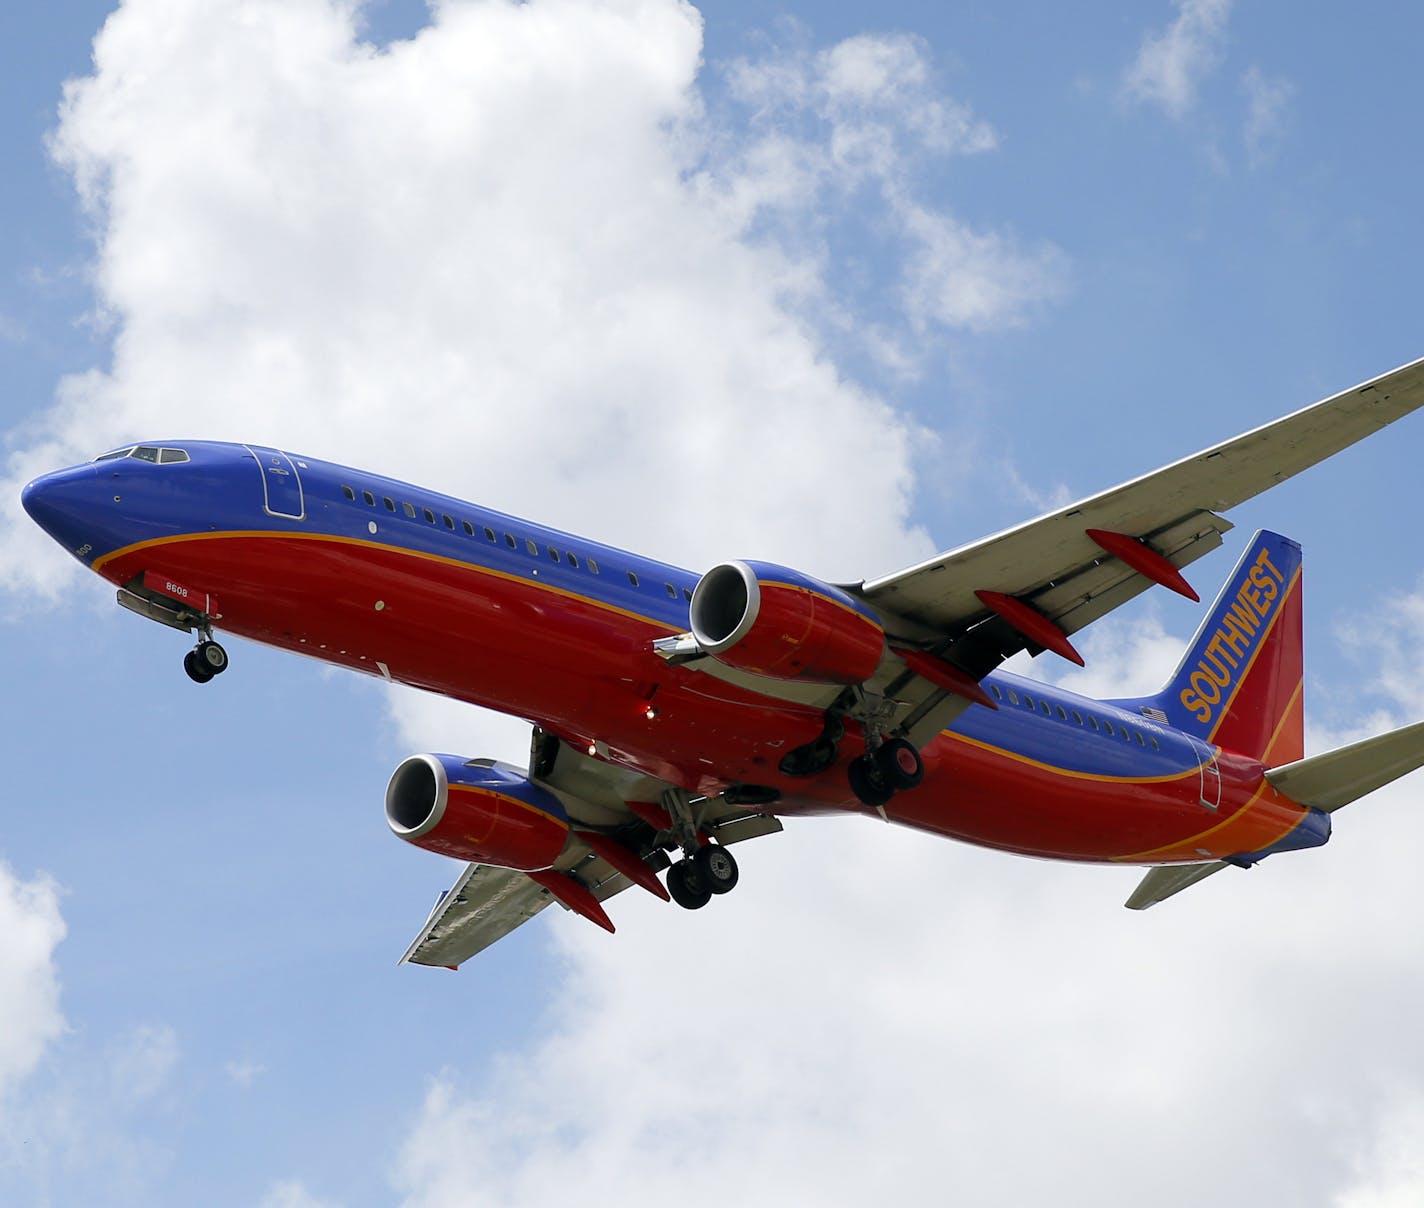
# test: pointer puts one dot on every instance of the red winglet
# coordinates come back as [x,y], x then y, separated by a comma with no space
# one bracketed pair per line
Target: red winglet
[624,861]
[573,895]
[1031,623]
[944,675]
[1144,560]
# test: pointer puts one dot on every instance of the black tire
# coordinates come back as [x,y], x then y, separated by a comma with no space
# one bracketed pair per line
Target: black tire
[900,764]
[686,887]
[867,781]
[196,671]
[211,657]
[716,868]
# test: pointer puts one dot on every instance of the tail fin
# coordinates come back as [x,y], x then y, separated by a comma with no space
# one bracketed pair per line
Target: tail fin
[1239,685]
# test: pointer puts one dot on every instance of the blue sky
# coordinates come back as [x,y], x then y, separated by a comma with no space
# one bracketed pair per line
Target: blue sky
[831,285]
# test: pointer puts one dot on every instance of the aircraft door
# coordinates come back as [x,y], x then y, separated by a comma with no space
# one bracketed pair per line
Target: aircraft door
[281,484]
[1210,791]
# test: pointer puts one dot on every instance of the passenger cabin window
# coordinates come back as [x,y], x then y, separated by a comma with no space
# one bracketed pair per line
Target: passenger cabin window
[1062,713]
[1028,700]
[1013,697]
[671,590]
[531,545]
[409,509]
[349,493]
[632,578]
[489,534]
[573,560]
[553,553]
[429,515]
[449,523]
[510,541]
[369,498]
[389,502]
[1043,704]
[592,567]
[994,688]
[687,594]
[469,528]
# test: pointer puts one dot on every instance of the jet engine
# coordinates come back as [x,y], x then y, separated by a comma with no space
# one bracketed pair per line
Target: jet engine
[774,621]
[476,810]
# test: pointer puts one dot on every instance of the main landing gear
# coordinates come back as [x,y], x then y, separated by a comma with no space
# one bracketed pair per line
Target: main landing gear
[878,775]
[706,869]
[205,660]
[693,881]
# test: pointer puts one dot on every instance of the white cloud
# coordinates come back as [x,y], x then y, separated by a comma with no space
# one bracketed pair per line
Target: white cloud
[1389,1169]
[864,117]
[512,258]
[31,928]
[245,1072]
[1170,65]
[291,1193]
[142,1063]
[1268,103]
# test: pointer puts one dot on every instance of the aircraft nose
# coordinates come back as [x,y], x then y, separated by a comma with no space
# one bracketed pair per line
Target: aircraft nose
[62,501]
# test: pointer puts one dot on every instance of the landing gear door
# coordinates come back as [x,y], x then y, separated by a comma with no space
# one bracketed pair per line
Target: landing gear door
[281,484]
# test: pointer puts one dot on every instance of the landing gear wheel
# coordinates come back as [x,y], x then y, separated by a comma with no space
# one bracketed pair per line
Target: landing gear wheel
[900,764]
[688,890]
[716,868]
[211,657]
[196,671]
[867,781]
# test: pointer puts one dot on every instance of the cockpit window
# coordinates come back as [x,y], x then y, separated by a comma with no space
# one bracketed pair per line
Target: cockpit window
[146,453]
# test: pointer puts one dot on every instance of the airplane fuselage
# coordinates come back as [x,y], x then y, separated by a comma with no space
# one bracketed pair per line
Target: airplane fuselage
[389,579]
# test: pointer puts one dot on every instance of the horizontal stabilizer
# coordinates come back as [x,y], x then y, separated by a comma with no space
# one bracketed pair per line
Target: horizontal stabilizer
[1339,777]
[1161,883]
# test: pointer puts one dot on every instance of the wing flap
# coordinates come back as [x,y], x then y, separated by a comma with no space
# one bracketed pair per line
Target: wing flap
[485,904]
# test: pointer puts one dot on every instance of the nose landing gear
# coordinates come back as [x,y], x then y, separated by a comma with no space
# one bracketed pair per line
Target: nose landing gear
[205,660]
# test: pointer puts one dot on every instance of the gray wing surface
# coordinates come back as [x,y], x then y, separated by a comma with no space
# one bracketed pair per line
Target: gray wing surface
[484,905]
[1053,564]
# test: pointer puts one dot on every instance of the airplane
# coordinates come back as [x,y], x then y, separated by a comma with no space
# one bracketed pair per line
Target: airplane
[676,714]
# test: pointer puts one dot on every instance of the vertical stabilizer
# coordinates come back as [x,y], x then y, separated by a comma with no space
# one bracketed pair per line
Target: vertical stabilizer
[1239,685]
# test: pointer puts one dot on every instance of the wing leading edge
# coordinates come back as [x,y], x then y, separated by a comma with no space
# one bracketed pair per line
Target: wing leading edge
[1064,574]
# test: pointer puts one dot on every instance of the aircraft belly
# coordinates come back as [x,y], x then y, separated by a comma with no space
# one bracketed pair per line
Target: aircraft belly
[997,799]
[490,640]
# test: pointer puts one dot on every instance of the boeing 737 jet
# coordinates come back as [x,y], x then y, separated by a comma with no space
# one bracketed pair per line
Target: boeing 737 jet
[676,714]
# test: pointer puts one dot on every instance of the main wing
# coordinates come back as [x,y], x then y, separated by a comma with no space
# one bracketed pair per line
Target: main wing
[486,903]
[1077,563]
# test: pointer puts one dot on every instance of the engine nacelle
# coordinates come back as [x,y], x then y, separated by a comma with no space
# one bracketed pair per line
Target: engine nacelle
[770,620]
[477,811]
